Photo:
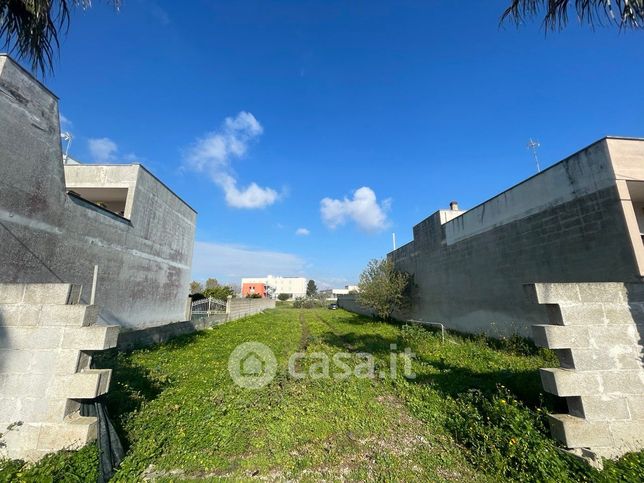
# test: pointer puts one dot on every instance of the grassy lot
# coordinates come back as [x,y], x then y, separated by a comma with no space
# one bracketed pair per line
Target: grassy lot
[474,411]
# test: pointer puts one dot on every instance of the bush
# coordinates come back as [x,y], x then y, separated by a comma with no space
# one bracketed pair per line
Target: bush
[309,303]
[221,292]
[284,297]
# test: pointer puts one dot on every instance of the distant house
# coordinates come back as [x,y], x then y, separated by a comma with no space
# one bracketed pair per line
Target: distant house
[294,286]
[254,288]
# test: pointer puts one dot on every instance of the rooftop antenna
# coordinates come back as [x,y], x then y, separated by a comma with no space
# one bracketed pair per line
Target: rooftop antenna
[393,239]
[533,145]
[66,136]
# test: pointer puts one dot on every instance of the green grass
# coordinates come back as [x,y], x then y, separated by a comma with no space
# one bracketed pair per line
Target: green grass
[474,411]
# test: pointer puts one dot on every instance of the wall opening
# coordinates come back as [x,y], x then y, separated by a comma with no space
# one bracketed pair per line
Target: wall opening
[112,199]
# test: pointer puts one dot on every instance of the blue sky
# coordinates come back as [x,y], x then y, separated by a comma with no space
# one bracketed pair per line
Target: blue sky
[385,110]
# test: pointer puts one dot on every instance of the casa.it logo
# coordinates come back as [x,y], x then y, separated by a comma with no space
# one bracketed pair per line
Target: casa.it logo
[252,365]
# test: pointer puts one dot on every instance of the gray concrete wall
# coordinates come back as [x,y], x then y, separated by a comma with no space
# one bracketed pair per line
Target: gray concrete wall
[566,224]
[49,236]
[235,309]
[349,302]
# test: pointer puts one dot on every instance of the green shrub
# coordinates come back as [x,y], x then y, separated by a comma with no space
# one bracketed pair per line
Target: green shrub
[63,466]
[284,296]
[510,440]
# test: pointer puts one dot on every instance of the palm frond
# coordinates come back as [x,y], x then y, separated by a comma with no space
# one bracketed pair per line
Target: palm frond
[31,29]
[623,13]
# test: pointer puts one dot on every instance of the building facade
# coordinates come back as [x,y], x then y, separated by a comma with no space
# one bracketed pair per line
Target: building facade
[57,222]
[580,220]
[294,286]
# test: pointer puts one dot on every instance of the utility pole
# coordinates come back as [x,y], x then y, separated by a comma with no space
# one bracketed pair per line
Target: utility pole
[533,145]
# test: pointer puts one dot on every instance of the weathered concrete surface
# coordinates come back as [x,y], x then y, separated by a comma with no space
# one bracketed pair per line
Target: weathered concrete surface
[573,222]
[47,235]
[46,340]
[597,330]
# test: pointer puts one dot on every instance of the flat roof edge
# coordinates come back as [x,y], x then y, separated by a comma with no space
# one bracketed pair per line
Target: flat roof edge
[81,165]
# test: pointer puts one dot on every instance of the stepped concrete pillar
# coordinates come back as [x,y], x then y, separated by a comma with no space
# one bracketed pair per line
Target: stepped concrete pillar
[46,342]
[597,331]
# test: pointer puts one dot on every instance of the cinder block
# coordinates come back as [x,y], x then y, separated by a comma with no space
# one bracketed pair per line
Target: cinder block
[69,435]
[619,313]
[576,432]
[581,314]
[611,292]
[636,406]
[50,293]
[605,407]
[560,337]
[19,315]
[552,293]
[42,361]
[25,338]
[67,361]
[569,382]
[630,382]
[88,384]
[20,439]
[608,358]
[628,434]
[11,293]
[24,385]
[95,337]
[14,361]
[68,315]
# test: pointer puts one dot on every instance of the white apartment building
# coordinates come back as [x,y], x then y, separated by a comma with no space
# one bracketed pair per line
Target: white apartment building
[295,286]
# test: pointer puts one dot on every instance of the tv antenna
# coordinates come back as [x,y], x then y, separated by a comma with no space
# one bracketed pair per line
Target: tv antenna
[66,136]
[533,146]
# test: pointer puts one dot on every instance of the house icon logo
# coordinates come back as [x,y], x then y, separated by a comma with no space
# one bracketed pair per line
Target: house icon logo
[252,365]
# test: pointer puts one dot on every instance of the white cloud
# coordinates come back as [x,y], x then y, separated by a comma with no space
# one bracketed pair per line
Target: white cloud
[302,232]
[214,153]
[65,123]
[102,150]
[363,209]
[232,262]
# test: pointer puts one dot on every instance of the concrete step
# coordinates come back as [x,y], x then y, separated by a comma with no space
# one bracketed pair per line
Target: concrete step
[575,432]
[569,382]
[87,384]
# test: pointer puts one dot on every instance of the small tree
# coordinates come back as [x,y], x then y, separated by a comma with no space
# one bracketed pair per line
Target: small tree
[195,287]
[383,288]
[212,283]
[220,292]
[311,289]
[284,296]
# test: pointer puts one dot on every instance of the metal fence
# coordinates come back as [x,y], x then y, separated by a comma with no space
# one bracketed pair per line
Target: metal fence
[209,306]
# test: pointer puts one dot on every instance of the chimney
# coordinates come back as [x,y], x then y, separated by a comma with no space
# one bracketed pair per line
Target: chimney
[453,206]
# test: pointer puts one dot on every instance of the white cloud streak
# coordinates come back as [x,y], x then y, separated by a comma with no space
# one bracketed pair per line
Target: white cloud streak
[302,232]
[215,152]
[363,209]
[102,150]
[232,262]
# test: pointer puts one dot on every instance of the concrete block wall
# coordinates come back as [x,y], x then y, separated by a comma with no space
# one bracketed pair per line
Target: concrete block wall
[597,330]
[350,303]
[565,224]
[243,307]
[46,342]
